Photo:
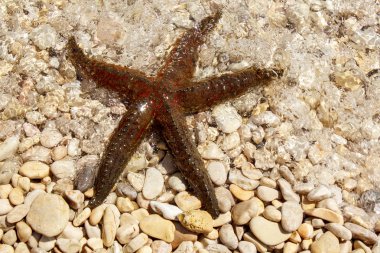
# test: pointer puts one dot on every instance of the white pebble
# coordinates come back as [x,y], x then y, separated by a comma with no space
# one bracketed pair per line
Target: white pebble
[153,184]
[227,118]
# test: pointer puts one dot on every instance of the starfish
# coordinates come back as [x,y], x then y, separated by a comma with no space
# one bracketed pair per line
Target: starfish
[164,99]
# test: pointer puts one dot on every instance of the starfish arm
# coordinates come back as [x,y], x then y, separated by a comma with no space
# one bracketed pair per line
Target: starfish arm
[128,83]
[187,157]
[182,59]
[122,145]
[207,93]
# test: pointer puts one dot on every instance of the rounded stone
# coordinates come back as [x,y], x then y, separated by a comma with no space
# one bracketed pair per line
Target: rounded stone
[292,215]
[153,184]
[326,243]
[267,194]
[48,214]
[339,231]
[197,221]
[50,137]
[268,232]
[17,213]
[243,212]
[34,170]
[272,213]
[157,227]
[228,237]
[241,194]
[247,247]
[187,202]
[217,172]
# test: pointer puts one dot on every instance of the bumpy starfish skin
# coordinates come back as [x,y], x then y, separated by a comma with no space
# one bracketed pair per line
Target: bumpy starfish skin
[166,99]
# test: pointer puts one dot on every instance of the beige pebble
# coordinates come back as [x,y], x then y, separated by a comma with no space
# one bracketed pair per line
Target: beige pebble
[307,204]
[21,248]
[5,190]
[48,214]
[145,249]
[187,202]
[140,214]
[23,231]
[267,231]
[157,227]
[213,235]
[17,213]
[4,248]
[261,247]
[317,223]
[159,246]
[272,213]
[292,216]
[305,244]
[247,247]
[326,243]
[47,243]
[305,230]
[109,227]
[197,221]
[360,245]
[290,247]
[295,237]
[9,237]
[124,205]
[136,243]
[24,183]
[359,221]
[125,233]
[303,188]
[16,196]
[228,236]
[266,181]
[267,194]
[68,245]
[95,215]
[92,231]
[240,194]
[325,214]
[217,172]
[83,216]
[34,170]
[58,152]
[153,184]
[222,219]
[71,232]
[319,193]
[339,230]
[5,206]
[287,191]
[358,232]
[75,198]
[244,211]
[95,243]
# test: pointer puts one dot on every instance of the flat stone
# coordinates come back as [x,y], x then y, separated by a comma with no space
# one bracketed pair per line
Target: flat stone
[23,231]
[268,232]
[17,213]
[241,194]
[247,247]
[34,170]
[157,227]
[5,206]
[187,202]
[153,184]
[168,211]
[267,194]
[319,193]
[16,196]
[63,168]
[244,211]
[339,231]
[197,221]
[68,245]
[217,172]
[325,214]
[48,214]
[358,232]
[272,213]
[292,216]
[109,227]
[327,243]
[136,243]
[228,237]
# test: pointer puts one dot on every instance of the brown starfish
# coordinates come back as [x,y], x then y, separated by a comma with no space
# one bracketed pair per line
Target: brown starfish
[166,99]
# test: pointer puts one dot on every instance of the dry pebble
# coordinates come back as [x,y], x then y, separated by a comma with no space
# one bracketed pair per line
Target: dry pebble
[68,245]
[268,232]
[168,211]
[267,194]
[9,147]
[228,237]
[34,170]
[241,194]
[325,214]
[319,193]
[5,206]
[197,221]
[217,172]
[326,243]
[157,227]
[24,231]
[187,202]
[16,196]
[84,215]
[292,216]
[247,247]
[63,168]
[286,191]
[17,213]
[153,184]
[272,213]
[136,243]
[109,227]
[358,232]
[9,237]
[339,231]
[4,248]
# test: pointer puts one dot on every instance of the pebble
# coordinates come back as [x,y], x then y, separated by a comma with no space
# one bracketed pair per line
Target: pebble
[9,237]
[47,243]
[136,243]
[140,214]
[31,196]
[5,206]
[210,151]
[217,172]
[236,177]
[249,170]
[287,192]
[292,216]
[5,189]
[68,245]
[75,198]
[168,211]
[24,231]
[63,168]
[241,194]
[217,248]
[71,232]
[9,147]
[272,213]
[267,194]
[157,227]
[125,233]
[325,214]
[17,213]
[125,205]
[50,137]
[303,188]
[187,202]
[109,227]
[81,217]
[287,174]
[34,170]
[4,248]
[95,243]
[153,184]
[177,183]
[326,243]
[268,232]
[244,211]
[319,193]
[247,247]
[91,231]
[227,118]
[222,219]
[358,232]
[159,246]
[225,199]
[48,214]
[339,231]
[228,237]
[197,221]
[21,248]
[16,196]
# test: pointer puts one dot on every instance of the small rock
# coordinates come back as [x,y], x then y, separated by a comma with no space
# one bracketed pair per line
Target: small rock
[217,248]
[68,245]
[23,231]
[247,247]
[287,174]
[187,202]
[75,198]
[358,232]
[177,183]
[21,248]
[16,196]
[125,205]
[305,231]
[231,141]
[244,211]
[217,172]
[127,232]
[153,184]
[236,177]
[303,188]
[210,151]
[326,243]
[168,211]
[228,237]
[92,231]
[267,194]
[325,214]
[95,243]
[48,214]
[136,243]
[9,237]
[4,248]
[63,169]
[268,232]
[159,246]
[272,213]
[84,215]
[267,118]
[157,227]
[287,192]
[47,243]
[339,231]
[34,170]
[17,213]
[319,193]
[109,227]
[241,194]
[292,216]
[5,206]
[50,137]
[9,147]
[224,198]
[197,221]
[71,232]
[226,118]
[5,190]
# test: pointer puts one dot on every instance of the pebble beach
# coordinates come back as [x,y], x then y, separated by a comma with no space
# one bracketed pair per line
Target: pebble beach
[295,164]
